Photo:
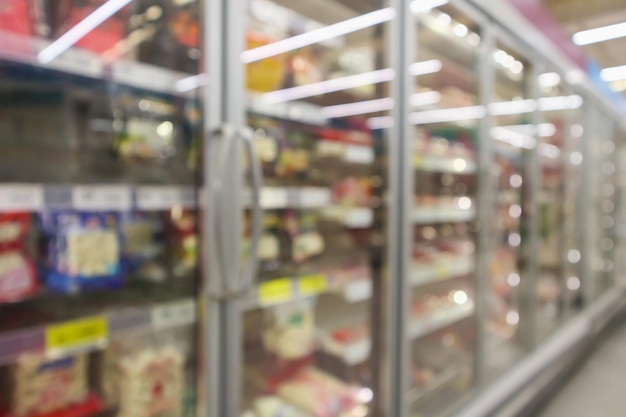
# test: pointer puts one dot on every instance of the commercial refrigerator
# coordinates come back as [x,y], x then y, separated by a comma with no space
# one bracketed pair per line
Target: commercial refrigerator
[100,212]
[270,208]
[191,211]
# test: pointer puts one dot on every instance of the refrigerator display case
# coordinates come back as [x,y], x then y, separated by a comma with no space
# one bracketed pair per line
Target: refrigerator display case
[215,208]
[99,215]
[309,321]
[445,113]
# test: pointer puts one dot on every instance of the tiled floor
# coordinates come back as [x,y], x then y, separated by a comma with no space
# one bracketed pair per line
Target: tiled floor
[598,389]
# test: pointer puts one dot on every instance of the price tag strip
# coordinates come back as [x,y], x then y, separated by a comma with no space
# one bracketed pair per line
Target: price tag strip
[162,198]
[15,197]
[175,314]
[72,336]
[312,285]
[276,291]
[101,197]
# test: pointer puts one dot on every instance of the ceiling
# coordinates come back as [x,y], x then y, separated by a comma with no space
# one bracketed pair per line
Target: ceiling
[577,15]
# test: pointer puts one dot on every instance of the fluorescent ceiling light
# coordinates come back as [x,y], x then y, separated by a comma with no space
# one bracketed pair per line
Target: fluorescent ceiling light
[600,34]
[447,115]
[190,83]
[549,79]
[560,103]
[512,107]
[383,122]
[425,67]
[426,98]
[424,6]
[361,107]
[81,29]
[512,137]
[329,86]
[319,35]
[614,73]
[346,83]
[382,104]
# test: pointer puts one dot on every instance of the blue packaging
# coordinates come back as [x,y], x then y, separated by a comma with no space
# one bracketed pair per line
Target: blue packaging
[140,232]
[83,250]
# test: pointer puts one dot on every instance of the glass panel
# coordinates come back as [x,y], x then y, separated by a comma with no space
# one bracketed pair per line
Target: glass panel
[558,287]
[98,216]
[619,195]
[603,218]
[446,114]
[512,141]
[317,85]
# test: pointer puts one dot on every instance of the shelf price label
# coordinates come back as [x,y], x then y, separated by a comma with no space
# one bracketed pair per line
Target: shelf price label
[162,198]
[107,197]
[442,271]
[77,334]
[276,291]
[312,284]
[175,314]
[21,197]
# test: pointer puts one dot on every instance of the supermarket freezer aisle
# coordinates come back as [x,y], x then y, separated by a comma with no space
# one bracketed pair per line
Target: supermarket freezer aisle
[597,389]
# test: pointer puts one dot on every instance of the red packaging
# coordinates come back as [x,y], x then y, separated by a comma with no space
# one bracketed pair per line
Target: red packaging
[106,35]
[18,277]
[15,17]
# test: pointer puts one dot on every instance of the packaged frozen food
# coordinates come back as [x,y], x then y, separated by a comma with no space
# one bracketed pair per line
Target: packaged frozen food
[82,250]
[39,387]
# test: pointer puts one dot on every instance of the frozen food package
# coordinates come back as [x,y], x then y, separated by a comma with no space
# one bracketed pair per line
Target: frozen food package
[82,250]
[18,276]
[145,375]
[290,329]
[39,386]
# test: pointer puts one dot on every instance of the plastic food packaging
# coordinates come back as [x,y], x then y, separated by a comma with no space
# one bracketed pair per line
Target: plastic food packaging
[18,277]
[82,250]
[318,394]
[183,240]
[290,330]
[145,376]
[140,239]
[40,387]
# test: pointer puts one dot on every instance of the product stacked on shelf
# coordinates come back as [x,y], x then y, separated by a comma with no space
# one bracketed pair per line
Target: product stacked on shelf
[307,332]
[98,256]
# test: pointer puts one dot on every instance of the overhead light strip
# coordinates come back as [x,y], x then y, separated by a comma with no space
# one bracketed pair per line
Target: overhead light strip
[346,83]
[614,73]
[377,105]
[319,35]
[601,34]
[81,29]
[425,6]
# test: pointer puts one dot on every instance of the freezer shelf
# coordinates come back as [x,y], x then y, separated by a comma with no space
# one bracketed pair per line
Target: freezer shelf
[20,48]
[286,290]
[451,267]
[422,326]
[421,216]
[95,331]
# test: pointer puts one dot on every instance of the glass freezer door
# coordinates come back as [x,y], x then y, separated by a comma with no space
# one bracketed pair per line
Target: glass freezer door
[445,114]
[513,141]
[316,84]
[100,143]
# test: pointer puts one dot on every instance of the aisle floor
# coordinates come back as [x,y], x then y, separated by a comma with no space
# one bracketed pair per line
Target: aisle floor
[597,389]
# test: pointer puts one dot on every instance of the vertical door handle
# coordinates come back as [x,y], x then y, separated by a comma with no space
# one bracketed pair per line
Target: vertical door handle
[248,275]
[225,134]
